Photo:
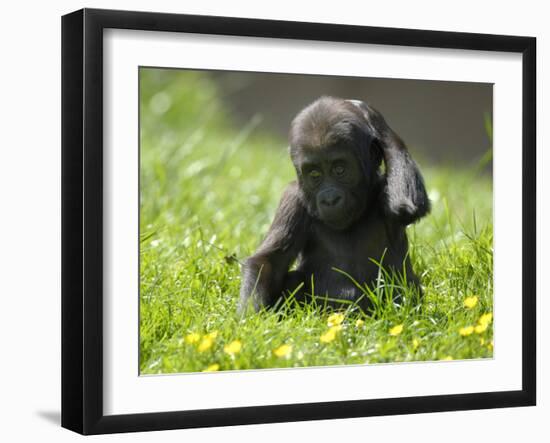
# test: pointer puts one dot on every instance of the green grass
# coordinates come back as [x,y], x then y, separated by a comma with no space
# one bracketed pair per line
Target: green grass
[208,194]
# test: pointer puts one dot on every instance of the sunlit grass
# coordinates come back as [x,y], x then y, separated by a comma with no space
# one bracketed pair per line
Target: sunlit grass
[208,195]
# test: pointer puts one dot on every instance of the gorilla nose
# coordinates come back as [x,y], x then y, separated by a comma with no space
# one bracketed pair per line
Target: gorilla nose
[331,199]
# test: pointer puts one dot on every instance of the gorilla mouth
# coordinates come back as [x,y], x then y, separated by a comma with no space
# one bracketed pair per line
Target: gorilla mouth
[344,217]
[338,226]
[339,220]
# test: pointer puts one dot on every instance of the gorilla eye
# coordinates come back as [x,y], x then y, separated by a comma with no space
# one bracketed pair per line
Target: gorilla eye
[339,169]
[314,173]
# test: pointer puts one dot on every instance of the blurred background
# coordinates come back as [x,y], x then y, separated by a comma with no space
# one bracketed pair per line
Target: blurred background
[440,120]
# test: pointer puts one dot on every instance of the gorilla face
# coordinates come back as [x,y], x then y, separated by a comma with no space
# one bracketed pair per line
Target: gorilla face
[329,146]
[332,182]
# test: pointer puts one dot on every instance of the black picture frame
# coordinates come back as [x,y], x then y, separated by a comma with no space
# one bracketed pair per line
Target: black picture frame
[82,219]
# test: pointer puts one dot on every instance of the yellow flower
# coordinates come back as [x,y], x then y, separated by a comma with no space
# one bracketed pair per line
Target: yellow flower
[335,319]
[396,330]
[470,302]
[485,319]
[205,344]
[466,331]
[193,337]
[490,346]
[448,358]
[359,323]
[212,334]
[481,341]
[233,348]
[480,328]
[330,335]
[483,322]
[283,350]
[416,343]
[212,368]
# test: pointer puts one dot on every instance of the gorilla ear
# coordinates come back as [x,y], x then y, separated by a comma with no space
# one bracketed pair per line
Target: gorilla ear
[386,141]
[369,149]
[382,133]
[405,194]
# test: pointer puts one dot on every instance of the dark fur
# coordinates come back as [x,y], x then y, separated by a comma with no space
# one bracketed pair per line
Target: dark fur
[341,221]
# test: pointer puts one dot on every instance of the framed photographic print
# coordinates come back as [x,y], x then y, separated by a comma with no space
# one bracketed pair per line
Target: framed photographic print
[269,221]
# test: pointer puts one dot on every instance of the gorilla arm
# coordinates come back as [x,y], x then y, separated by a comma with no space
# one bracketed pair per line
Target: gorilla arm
[264,273]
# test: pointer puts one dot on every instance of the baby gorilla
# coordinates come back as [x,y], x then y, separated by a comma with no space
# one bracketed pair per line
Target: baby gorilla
[343,213]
